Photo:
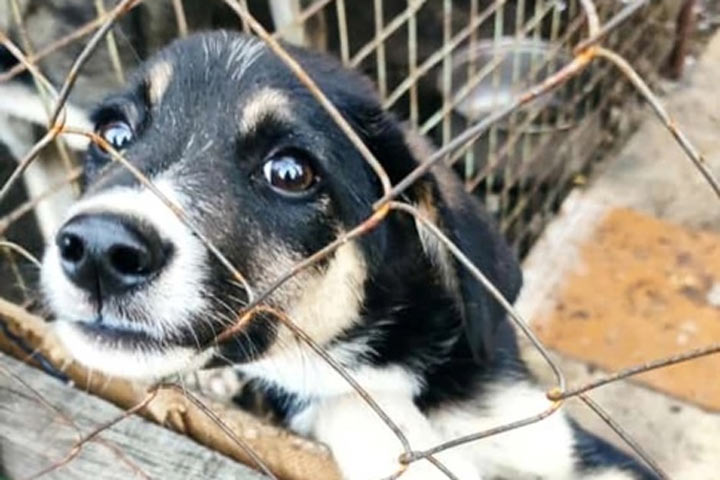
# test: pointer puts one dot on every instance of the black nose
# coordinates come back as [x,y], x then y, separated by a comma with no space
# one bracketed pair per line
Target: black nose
[108,254]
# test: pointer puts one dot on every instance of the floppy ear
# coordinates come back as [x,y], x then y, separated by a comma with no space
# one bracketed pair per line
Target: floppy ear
[442,197]
[464,220]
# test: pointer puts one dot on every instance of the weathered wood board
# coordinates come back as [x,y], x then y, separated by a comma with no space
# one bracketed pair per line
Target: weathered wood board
[288,456]
[35,434]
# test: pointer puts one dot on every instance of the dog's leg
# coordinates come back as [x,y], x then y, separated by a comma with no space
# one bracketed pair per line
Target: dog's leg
[367,449]
[553,448]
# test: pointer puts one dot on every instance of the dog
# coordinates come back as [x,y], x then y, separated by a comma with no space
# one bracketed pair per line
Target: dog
[225,131]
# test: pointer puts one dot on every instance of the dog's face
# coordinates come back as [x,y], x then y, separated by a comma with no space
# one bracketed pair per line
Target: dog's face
[224,130]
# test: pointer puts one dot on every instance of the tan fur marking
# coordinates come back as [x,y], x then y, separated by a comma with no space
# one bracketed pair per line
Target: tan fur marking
[433,247]
[332,300]
[448,185]
[158,80]
[266,102]
[419,146]
[323,303]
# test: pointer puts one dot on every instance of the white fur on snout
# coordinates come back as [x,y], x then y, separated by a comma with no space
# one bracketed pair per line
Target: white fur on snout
[63,296]
[161,309]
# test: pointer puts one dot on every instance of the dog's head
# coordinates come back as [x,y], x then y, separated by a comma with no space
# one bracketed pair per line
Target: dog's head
[225,131]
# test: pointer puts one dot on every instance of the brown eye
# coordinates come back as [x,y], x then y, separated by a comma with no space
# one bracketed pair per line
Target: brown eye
[289,174]
[117,133]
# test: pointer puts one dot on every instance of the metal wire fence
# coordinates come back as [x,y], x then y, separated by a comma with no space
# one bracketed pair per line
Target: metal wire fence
[507,90]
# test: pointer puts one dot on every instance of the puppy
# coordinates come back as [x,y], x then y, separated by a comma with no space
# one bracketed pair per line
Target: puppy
[224,130]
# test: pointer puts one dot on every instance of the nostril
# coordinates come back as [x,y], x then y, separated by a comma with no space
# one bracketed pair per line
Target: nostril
[72,247]
[129,260]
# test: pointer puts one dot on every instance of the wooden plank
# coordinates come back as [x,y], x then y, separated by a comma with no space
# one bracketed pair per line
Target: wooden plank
[35,434]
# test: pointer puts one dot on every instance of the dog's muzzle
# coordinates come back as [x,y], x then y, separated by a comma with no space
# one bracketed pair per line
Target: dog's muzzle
[125,279]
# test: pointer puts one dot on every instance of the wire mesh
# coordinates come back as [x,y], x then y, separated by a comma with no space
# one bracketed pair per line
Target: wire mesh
[473,57]
[508,90]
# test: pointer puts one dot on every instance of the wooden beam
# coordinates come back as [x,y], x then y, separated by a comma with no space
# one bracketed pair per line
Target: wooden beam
[42,419]
[289,457]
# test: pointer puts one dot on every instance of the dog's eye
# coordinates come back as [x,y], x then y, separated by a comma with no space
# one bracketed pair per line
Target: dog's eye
[289,173]
[117,133]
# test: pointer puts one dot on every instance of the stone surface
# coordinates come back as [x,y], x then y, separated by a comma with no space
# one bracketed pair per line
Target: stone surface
[641,290]
[650,175]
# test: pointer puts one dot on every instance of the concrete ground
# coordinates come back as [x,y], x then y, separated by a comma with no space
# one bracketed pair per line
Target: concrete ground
[652,177]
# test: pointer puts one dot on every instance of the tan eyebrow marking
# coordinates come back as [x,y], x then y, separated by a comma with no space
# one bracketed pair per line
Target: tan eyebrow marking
[266,102]
[158,80]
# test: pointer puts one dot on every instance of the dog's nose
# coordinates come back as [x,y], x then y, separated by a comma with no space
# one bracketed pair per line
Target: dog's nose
[108,254]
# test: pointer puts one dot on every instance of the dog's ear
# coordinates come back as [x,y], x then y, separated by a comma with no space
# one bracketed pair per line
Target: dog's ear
[441,197]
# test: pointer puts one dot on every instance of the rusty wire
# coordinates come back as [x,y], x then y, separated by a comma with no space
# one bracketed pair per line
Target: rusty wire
[636,447]
[60,43]
[225,428]
[637,370]
[26,61]
[120,9]
[586,52]
[40,85]
[77,447]
[691,152]
[21,210]
[20,250]
[26,161]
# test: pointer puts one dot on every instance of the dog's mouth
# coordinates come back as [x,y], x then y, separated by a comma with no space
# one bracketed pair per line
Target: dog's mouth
[101,332]
[128,351]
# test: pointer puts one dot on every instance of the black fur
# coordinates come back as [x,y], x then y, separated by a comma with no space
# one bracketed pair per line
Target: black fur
[595,453]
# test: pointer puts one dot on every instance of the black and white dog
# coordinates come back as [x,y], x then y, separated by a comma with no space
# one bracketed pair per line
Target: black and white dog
[223,129]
